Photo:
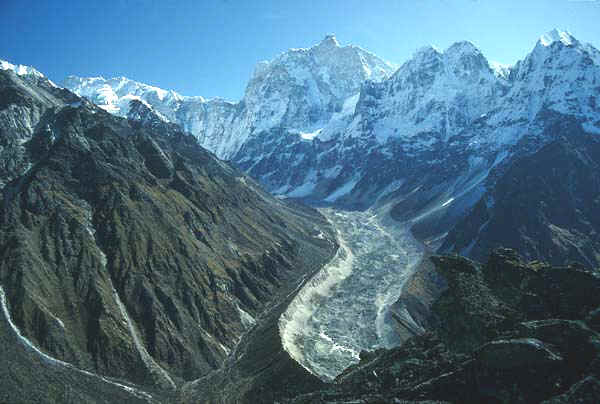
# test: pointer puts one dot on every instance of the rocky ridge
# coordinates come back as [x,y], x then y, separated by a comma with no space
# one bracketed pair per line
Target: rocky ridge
[544,205]
[504,331]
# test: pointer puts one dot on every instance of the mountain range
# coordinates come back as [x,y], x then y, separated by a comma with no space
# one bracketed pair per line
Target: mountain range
[338,125]
[151,242]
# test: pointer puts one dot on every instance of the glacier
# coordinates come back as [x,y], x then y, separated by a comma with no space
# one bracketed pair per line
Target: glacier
[344,308]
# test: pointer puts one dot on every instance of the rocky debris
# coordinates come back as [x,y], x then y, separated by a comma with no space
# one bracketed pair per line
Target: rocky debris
[412,311]
[485,346]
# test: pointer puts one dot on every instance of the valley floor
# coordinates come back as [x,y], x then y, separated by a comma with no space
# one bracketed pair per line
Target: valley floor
[344,308]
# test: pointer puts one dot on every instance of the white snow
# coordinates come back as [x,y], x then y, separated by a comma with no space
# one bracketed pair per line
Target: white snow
[328,74]
[318,94]
[557,35]
[139,346]
[500,69]
[247,320]
[448,202]
[20,70]
[311,135]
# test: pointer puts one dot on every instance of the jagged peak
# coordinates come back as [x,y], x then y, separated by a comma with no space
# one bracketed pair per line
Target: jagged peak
[328,52]
[426,50]
[557,36]
[501,70]
[120,85]
[462,47]
[20,70]
[329,41]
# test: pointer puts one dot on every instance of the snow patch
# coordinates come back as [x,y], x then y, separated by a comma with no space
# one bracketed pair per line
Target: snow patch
[247,320]
[343,190]
[311,135]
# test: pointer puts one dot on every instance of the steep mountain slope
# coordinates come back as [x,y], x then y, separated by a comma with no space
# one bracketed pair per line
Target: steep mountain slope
[21,108]
[545,206]
[129,251]
[300,89]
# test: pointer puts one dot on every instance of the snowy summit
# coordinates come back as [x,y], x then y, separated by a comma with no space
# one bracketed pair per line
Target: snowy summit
[557,35]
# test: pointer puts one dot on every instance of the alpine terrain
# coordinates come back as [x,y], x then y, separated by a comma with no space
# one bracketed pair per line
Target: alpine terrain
[141,259]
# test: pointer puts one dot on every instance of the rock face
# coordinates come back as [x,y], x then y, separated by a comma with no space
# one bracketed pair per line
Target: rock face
[504,331]
[21,108]
[130,251]
[545,206]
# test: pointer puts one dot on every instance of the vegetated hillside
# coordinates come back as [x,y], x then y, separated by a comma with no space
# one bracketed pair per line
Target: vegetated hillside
[129,251]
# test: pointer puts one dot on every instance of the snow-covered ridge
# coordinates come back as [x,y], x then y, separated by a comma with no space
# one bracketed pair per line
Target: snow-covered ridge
[557,35]
[300,89]
[21,70]
[500,69]
[310,116]
[115,94]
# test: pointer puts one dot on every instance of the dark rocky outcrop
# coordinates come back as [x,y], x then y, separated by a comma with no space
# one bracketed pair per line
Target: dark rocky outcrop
[504,331]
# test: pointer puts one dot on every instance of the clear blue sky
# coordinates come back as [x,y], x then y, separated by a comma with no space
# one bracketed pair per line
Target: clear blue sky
[210,47]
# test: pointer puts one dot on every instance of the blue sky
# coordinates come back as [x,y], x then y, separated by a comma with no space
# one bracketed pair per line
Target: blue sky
[210,47]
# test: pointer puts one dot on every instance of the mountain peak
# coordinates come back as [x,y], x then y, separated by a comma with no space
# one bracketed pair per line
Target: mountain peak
[462,47]
[555,36]
[329,42]
[20,70]
[425,51]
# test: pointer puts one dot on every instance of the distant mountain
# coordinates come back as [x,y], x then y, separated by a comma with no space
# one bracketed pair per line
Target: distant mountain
[300,89]
[129,251]
[333,124]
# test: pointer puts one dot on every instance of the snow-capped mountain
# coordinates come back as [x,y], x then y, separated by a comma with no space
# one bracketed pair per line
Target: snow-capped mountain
[429,136]
[300,89]
[20,70]
[333,123]
[114,95]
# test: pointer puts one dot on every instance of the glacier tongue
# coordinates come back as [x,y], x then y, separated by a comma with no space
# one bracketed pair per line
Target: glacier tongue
[343,309]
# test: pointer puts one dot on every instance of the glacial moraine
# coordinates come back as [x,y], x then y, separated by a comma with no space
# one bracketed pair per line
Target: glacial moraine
[343,309]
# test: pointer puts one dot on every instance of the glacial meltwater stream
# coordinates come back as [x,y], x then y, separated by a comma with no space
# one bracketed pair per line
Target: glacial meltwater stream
[343,309]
